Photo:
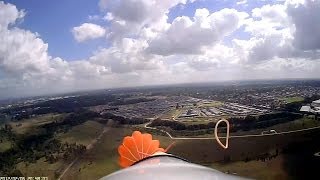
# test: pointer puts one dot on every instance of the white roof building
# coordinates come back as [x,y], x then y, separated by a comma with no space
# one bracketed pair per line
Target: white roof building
[306,109]
[316,103]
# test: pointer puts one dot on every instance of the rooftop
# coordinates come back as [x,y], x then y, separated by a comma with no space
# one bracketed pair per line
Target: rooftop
[317,101]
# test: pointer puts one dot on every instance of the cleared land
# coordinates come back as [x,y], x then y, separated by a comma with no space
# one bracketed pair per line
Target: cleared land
[82,134]
[102,159]
[171,113]
[5,145]
[41,168]
[268,170]
[293,99]
[211,104]
[28,125]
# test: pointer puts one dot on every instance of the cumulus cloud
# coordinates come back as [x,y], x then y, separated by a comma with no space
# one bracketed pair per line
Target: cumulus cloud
[145,47]
[305,15]
[186,36]
[21,51]
[87,31]
[9,15]
[127,56]
[288,30]
[128,17]
[242,2]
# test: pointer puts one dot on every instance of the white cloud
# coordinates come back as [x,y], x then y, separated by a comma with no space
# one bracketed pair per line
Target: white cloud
[127,56]
[9,14]
[274,41]
[128,17]
[186,36]
[87,31]
[305,15]
[242,2]
[94,17]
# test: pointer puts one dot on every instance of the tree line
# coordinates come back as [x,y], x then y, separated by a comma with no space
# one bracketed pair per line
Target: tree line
[237,123]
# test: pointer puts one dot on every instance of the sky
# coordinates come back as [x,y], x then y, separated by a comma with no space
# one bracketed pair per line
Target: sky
[69,45]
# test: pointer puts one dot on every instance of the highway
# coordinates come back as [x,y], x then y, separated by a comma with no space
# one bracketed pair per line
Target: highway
[240,136]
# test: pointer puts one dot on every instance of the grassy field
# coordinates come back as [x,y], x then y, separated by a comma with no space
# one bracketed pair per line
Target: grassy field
[5,145]
[196,121]
[172,113]
[28,125]
[82,134]
[211,104]
[305,122]
[41,168]
[102,159]
[292,99]
[207,152]
[268,170]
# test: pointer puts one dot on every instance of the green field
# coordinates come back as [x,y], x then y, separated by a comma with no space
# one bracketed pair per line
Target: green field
[193,121]
[211,104]
[5,145]
[82,134]
[102,159]
[41,168]
[268,170]
[28,125]
[292,99]
[171,113]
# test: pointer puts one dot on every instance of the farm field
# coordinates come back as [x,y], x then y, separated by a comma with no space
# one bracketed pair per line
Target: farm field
[28,125]
[293,99]
[81,134]
[5,145]
[102,159]
[41,168]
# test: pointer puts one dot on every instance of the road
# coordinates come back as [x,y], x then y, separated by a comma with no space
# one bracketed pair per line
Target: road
[241,136]
[88,147]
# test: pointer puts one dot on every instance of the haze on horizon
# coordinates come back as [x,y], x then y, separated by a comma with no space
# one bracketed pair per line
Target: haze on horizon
[71,46]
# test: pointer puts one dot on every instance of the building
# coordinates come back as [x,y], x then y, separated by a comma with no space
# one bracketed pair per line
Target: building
[305,109]
[316,104]
[314,108]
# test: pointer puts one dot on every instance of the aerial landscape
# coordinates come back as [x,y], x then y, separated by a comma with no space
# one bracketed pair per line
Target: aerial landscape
[159,89]
[76,135]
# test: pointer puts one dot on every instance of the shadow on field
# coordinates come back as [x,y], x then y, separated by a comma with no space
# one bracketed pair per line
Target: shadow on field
[297,150]
[299,159]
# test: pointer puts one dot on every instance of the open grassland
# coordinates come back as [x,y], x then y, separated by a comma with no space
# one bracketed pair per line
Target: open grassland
[5,145]
[302,123]
[292,99]
[102,159]
[211,104]
[28,125]
[171,113]
[81,134]
[268,170]
[41,168]
[208,152]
